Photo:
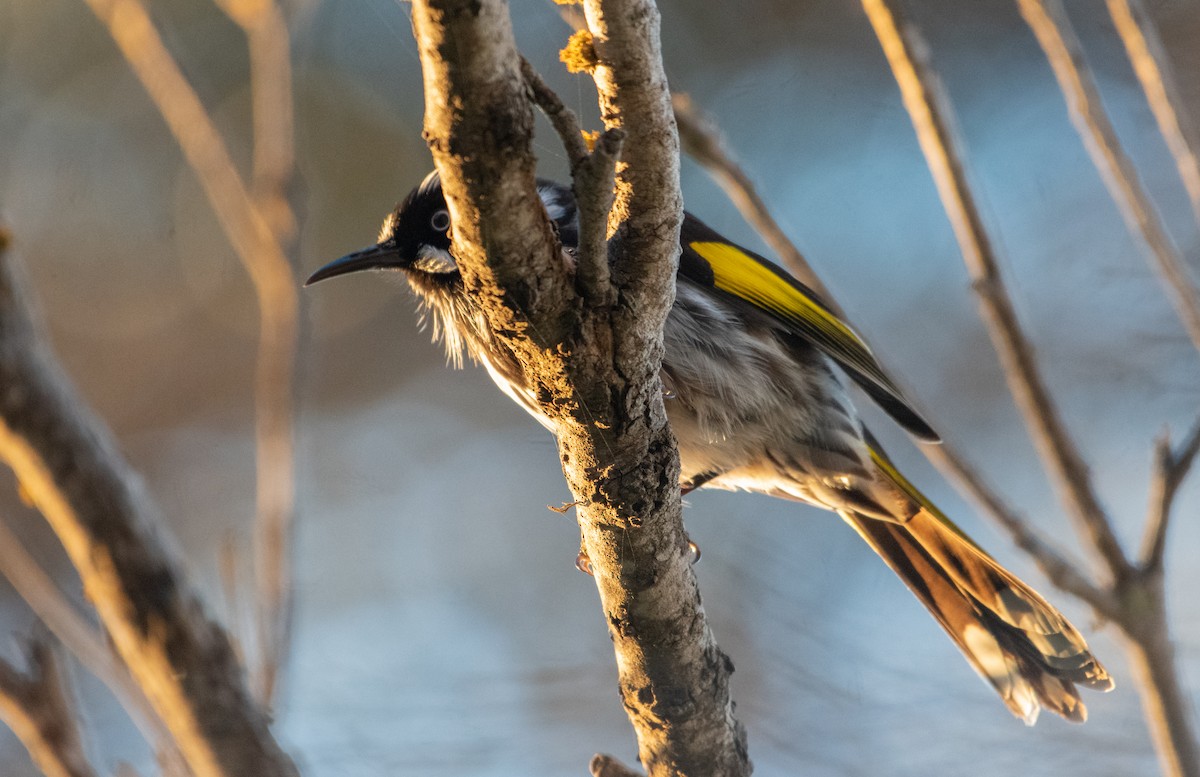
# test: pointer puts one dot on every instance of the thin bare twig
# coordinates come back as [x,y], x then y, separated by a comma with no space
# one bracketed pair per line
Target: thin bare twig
[1140,608]
[38,708]
[562,118]
[274,159]
[84,641]
[1053,30]
[593,183]
[268,40]
[1153,69]
[931,117]
[701,141]
[1171,466]
[1139,613]
[592,174]
[253,235]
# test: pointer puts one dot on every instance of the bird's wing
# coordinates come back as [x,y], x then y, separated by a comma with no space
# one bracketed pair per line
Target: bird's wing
[710,260]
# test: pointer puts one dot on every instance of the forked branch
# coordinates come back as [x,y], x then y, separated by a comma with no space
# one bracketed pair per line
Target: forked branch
[1171,466]
[594,365]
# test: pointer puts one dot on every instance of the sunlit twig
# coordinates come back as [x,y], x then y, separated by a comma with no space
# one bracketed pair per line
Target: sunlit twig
[1171,466]
[37,707]
[1135,591]
[71,470]
[254,236]
[931,117]
[84,641]
[1153,70]
[1049,22]
[592,174]
[607,766]
[274,158]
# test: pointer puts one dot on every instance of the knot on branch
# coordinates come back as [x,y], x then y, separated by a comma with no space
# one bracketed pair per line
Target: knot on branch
[579,55]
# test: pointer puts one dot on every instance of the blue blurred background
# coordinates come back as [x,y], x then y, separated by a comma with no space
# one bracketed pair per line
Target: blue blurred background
[441,628]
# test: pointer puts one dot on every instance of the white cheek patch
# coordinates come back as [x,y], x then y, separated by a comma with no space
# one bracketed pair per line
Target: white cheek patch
[434,260]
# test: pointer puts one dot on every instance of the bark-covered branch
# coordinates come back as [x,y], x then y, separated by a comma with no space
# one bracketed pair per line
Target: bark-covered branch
[85,642]
[593,173]
[594,368]
[36,705]
[69,465]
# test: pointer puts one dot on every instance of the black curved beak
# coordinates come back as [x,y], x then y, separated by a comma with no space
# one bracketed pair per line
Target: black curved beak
[373,258]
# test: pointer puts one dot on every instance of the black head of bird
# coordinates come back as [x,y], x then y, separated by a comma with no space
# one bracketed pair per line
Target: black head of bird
[756,404]
[415,238]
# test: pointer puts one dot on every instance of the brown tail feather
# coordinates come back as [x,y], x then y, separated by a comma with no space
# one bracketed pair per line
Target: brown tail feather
[1020,644]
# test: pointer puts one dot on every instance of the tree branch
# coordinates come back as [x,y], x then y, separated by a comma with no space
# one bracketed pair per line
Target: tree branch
[607,766]
[1170,469]
[702,142]
[67,462]
[253,235]
[593,177]
[85,642]
[634,97]
[38,709]
[1140,603]
[1153,69]
[931,117]
[1053,30]
[593,185]
[1136,605]
[268,41]
[594,369]
[562,118]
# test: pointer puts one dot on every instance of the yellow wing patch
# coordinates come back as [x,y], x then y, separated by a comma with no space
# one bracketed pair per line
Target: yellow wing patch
[745,276]
[740,274]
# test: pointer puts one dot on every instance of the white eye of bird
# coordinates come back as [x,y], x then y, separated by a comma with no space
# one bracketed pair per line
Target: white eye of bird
[440,221]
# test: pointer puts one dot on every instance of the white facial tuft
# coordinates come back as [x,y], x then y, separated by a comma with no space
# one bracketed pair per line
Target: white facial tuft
[434,260]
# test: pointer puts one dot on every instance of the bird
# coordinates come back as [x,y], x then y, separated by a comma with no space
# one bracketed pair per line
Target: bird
[752,390]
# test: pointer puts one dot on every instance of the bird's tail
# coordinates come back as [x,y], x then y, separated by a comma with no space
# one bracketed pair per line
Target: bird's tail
[1015,639]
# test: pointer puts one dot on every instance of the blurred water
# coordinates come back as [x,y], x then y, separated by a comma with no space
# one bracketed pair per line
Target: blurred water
[441,628]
